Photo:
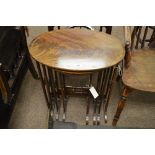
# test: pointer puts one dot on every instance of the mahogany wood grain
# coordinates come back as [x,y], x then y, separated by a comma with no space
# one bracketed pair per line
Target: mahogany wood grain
[77,50]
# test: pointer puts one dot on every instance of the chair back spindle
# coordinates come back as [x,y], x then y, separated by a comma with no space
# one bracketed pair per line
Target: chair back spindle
[142,36]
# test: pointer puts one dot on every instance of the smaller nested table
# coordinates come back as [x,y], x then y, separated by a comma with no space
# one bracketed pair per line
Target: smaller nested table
[80,52]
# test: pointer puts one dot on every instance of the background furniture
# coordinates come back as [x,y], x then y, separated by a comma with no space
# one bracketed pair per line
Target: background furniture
[51,28]
[14,62]
[76,52]
[107,28]
[139,72]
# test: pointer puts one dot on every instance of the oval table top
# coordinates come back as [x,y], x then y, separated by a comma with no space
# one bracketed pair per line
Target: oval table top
[77,50]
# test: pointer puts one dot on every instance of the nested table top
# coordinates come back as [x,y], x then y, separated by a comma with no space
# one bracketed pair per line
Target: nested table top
[77,49]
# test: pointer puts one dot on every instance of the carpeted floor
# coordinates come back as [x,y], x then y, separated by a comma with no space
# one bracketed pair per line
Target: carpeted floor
[31,112]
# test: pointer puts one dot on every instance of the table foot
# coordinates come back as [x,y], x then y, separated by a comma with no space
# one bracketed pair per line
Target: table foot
[57,117]
[63,117]
[87,120]
[94,120]
[52,115]
[105,118]
[98,120]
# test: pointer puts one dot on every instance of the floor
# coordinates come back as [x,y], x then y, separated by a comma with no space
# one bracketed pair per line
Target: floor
[31,112]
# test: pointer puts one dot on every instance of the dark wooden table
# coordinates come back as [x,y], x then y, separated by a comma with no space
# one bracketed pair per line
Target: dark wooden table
[76,51]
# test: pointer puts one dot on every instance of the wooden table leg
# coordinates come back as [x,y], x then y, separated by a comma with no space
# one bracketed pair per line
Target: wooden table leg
[64,103]
[94,112]
[101,97]
[31,67]
[104,90]
[43,84]
[88,102]
[111,81]
[53,94]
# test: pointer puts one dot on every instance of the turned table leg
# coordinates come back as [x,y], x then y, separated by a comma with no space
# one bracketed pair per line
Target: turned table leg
[88,101]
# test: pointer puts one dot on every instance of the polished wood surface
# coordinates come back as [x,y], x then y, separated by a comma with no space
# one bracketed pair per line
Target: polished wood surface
[77,50]
[140,74]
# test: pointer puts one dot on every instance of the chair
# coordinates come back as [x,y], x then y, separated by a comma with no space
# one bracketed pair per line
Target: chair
[14,54]
[14,62]
[139,72]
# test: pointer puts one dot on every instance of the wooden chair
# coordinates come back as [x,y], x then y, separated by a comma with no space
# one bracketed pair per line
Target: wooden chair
[14,55]
[14,62]
[139,71]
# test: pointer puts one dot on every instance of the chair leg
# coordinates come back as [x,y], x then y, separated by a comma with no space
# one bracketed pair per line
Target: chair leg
[120,105]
